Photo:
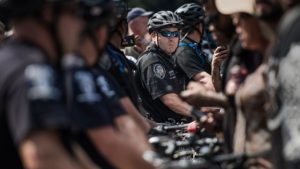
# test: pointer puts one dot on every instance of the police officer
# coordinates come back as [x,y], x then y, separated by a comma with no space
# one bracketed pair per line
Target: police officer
[100,124]
[116,63]
[189,57]
[159,83]
[32,114]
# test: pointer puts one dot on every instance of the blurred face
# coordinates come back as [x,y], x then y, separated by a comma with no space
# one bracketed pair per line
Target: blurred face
[102,36]
[69,27]
[167,39]
[220,25]
[138,26]
[248,30]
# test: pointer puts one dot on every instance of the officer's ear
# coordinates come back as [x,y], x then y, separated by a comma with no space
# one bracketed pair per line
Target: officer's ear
[153,36]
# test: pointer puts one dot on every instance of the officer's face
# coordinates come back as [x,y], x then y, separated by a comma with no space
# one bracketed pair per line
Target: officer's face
[167,39]
[69,27]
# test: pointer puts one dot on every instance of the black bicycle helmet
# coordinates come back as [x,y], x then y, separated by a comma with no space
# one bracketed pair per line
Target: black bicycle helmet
[97,12]
[191,14]
[164,19]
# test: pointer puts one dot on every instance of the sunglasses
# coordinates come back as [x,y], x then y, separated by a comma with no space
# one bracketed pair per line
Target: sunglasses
[169,34]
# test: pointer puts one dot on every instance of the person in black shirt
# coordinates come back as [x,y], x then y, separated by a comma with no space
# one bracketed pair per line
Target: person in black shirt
[159,82]
[116,63]
[100,124]
[33,117]
[189,56]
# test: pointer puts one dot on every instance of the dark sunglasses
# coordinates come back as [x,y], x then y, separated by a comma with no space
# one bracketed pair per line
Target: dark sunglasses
[169,34]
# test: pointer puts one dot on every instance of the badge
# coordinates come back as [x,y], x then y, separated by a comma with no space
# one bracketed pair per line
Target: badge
[159,71]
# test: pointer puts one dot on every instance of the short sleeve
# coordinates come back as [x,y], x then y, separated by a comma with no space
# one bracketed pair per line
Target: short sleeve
[35,102]
[190,63]
[88,108]
[112,93]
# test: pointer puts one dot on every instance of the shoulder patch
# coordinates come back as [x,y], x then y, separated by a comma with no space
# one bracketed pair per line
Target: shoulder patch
[41,81]
[87,87]
[159,71]
[105,87]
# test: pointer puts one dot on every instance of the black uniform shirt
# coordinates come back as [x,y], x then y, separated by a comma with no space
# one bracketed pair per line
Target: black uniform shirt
[189,59]
[30,97]
[116,63]
[156,77]
[93,101]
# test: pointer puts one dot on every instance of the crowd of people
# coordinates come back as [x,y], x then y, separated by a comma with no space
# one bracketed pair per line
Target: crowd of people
[84,82]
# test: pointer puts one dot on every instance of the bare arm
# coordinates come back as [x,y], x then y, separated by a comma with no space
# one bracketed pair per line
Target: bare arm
[132,133]
[143,124]
[220,54]
[172,101]
[205,79]
[117,150]
[43,150]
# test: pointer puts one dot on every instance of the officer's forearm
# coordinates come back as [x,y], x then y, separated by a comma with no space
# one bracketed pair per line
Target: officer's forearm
[173,102]
[43,150]
[143,124]
[132,133]
[117,150]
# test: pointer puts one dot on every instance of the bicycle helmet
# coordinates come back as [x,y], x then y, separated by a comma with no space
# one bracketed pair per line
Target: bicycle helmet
[164,19]
[191,14]
[97,12]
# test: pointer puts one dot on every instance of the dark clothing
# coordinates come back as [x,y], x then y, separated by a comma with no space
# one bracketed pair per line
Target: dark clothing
[116,63]
[93,100]
[156,76]
[31,97]
[190,59]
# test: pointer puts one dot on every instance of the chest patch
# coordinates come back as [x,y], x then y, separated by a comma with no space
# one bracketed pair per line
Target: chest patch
[159,71]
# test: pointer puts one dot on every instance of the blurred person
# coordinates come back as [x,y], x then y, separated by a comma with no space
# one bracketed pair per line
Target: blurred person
[116,63]
[158,81]
[283,117]
[34,121]
[251,131]
[99,121]
[223,33]
[137,19]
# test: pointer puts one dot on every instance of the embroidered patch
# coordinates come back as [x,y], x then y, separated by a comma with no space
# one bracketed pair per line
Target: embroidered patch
[159,71]
[41,80]
[87,87]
